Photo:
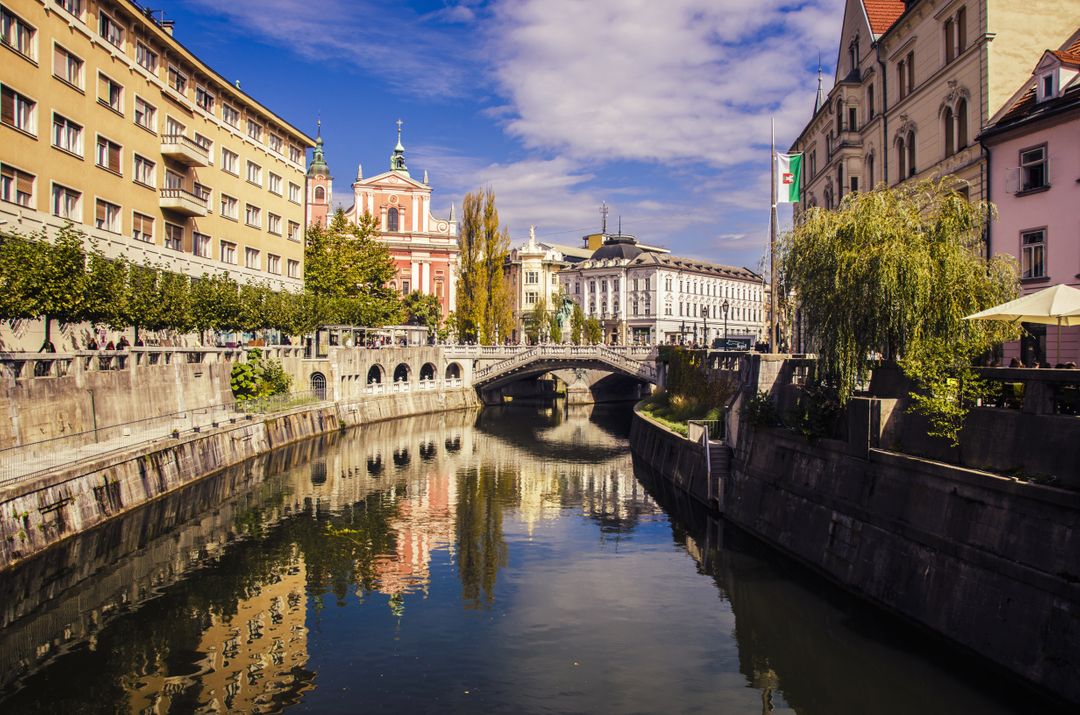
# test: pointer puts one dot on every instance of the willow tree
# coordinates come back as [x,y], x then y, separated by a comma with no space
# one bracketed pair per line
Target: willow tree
[483,298]
[894,271]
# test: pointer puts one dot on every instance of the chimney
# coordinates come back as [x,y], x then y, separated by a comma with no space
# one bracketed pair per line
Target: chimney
[167,26]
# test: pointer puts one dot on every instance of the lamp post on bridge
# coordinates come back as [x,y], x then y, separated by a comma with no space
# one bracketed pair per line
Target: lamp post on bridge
[725,306]
[705,326]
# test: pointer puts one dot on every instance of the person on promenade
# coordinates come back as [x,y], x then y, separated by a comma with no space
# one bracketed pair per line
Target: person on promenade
[91,344]
[110,346]
[123,344]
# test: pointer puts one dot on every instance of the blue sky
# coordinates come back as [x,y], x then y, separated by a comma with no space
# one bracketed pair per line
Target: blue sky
[660,109]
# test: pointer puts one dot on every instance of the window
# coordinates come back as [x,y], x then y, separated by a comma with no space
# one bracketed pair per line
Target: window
[532,277]
[273,224]
[276,143]
[203,192]
[75,7]
[67,67]
[274,183]
[230,162]
[870,170]
[852,119]
[853,182]
[251,258]
[254,173]
[295,155]
[870,101]
[65,202]
[320,194]
[252,215]
[293,268]
[950,40]
[174,237]
[1033,254]
[204,99]
[1033,173]
[1047,86]
[144,171]
[200,245]
[111,94]
[405,287]
[950,131]
[901,85]
[17,34]
[18,111]
[177,80]
[228,252]
[108,155]
[229,207]
[174,128]
[110,30]
[142,228]
[273,264]
[294,193]
[206,144]
[254,130]
[961,124]
[294,231]
[16,187]
[961,30]
[146,57]
[67,135]
[145,114]
[230,115]
[392,220]
[107,216]
[911,72]
[530,298]
[173,180]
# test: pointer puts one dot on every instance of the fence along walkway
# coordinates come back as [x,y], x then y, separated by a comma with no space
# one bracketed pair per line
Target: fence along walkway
[30,460]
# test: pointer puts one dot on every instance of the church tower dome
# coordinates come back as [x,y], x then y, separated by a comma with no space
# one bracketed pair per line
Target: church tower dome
[320,185]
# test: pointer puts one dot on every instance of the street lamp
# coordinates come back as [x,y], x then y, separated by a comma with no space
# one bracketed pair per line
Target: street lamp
[726,306]
[705,326]
[682,333]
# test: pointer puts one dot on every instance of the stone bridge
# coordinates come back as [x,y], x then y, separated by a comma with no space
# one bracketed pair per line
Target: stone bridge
[496,366]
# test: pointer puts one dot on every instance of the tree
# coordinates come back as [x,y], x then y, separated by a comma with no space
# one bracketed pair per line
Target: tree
[345,264]
[536,322]
[483,298]
[554,329]
[423,309]
[895,271]
[594,334]
[54,283]
[577,324]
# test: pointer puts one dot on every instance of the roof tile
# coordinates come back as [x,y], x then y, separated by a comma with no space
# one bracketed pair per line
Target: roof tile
[883,13]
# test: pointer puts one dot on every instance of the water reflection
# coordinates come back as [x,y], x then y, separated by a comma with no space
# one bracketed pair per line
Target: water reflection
[509,560]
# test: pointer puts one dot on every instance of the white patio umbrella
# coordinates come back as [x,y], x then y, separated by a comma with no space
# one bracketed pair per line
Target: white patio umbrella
[1057,305]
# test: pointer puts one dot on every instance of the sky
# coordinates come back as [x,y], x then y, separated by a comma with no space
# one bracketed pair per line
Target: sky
[660,109]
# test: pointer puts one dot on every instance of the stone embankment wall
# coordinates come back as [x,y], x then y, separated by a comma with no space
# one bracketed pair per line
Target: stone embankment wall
[672,456]
[39,513]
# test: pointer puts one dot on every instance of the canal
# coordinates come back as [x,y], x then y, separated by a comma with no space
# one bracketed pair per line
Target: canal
[511,560]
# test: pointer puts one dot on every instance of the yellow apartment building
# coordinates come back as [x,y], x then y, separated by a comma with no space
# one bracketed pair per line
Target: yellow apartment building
[110,123]
[916,81]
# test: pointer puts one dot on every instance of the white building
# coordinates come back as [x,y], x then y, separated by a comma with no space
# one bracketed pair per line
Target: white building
[648,297]
[532,272]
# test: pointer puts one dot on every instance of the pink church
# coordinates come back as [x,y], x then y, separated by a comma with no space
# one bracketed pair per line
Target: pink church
[424,247]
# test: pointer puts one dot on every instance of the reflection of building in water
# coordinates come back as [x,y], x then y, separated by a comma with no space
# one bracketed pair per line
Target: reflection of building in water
[425,521]
[254,657]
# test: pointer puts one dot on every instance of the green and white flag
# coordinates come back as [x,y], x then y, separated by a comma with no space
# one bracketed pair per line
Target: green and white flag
[788,178]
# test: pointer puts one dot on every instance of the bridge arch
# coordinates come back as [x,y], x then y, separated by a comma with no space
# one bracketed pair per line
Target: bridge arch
[453,371]
[375,374]
[427,372]
[402,372]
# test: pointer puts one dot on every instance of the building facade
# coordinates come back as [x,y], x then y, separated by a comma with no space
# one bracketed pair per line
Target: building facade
[424,247]
[532,273]
[113,125]
[1033,146]
[915,82]
[648,297]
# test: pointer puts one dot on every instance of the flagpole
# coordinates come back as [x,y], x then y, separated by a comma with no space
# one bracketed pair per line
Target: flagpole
[774,346]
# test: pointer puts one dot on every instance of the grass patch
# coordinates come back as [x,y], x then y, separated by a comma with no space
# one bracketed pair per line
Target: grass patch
[673,411]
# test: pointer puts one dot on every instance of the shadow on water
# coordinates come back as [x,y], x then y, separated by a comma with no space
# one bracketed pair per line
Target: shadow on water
[805,642]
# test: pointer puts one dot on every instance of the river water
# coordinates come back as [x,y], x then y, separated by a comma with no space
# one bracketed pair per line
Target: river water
[513,560]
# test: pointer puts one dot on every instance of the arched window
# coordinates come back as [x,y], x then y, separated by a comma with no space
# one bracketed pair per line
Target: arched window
[320,193]
[453,371]
[911,153]
[401,373]
[427,372]
[901,158]
[318,385]
[392,220]
[961,124]
[870,172]
[839,117]
[374,375]
[950,131]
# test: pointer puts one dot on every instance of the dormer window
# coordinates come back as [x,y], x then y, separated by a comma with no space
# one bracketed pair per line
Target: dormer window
[1047,86]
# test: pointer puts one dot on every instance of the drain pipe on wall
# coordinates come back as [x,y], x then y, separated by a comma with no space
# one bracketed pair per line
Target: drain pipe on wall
[884,116]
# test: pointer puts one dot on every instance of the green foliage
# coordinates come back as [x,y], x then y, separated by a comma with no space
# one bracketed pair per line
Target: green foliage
[895,271]
[483,298]
[689,378]
[674,411]
[554,329]
[536,322]
[760,411]
[421,309]
[577,324]
[594,334]
[258,377]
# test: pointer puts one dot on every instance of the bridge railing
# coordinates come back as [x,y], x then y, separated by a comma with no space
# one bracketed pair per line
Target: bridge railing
[600,353]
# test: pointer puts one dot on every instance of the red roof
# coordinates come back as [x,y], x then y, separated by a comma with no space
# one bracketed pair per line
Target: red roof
[883,13]
[1071,54]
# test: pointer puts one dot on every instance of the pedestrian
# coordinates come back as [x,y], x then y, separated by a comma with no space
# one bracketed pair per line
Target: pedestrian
[91,344]
[123,344]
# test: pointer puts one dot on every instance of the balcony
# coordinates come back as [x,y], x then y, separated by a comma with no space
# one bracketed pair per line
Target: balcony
[184,150]
[183,202]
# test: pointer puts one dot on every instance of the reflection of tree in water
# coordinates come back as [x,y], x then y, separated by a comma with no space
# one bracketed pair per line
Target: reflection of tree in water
[483,493]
